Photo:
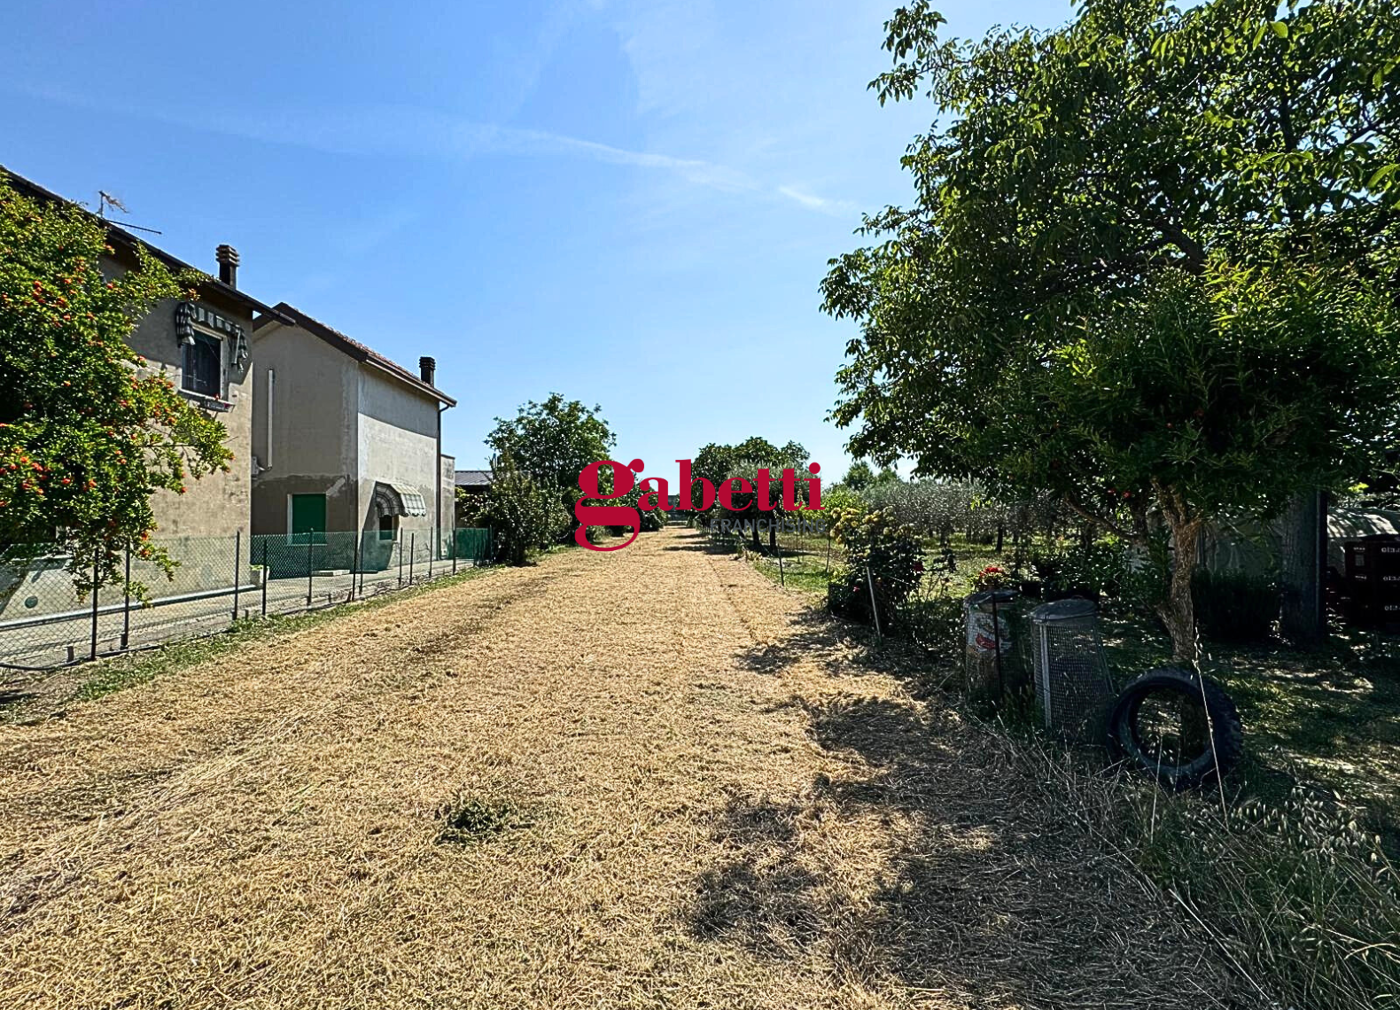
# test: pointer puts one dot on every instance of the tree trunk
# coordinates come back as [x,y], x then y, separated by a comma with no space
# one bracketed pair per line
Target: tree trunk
[1300,570]
[1177,609]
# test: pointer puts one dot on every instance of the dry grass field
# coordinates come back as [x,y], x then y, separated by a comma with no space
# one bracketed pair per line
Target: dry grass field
[642,779]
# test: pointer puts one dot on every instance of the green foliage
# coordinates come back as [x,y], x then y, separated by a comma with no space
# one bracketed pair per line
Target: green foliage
[1107,566]
[651,520]
[1147,267]
[552,442]
[939,508]
[860,477]
[1299,892]
[991,577]
[842,504]
[879,552]
[523,515]
[1235,606]
[1223,394]
[718,463]
[88,433]
[471,508]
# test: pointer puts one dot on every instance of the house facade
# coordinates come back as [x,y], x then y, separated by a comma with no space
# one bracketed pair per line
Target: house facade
[204,345]
[343,439]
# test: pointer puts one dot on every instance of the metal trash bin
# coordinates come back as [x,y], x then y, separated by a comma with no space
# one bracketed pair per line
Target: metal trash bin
[1072,683]
[992,667]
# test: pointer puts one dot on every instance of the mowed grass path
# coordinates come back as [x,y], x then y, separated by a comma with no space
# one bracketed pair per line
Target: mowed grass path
[671,784]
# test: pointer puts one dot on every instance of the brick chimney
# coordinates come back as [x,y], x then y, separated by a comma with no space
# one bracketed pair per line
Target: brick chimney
[227,256]
[427,369]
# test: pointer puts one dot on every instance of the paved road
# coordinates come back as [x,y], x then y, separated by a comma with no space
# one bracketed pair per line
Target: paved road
[641,779]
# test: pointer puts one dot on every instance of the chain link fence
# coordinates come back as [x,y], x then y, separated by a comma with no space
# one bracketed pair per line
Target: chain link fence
[46,623]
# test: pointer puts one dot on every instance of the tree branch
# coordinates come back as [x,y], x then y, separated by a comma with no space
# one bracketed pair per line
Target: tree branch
[1107,524]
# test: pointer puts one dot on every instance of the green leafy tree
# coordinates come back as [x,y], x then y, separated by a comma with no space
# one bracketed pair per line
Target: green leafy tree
[552,442]
[469,507]
[524,515]
[859,476]
[1148,267]
[87,432]
[718,463]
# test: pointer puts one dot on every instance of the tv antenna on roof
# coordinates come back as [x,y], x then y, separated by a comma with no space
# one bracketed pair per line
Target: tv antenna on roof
[105,200]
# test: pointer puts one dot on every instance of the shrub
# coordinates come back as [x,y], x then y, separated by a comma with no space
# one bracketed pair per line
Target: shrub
[842,504]
[523,516]
[1105,567]
[887,554]
[991,577]
[1234,606]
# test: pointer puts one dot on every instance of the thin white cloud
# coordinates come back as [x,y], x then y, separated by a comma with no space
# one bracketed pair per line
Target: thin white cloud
[411,131]
[826,206]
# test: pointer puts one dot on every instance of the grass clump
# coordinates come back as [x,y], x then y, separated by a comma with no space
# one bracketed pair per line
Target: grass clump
[1296,893]
[468,818]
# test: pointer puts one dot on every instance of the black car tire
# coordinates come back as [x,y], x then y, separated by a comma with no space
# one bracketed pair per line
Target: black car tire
[1227,733]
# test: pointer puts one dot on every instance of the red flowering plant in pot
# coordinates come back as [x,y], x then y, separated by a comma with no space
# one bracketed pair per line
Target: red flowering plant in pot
[991,577]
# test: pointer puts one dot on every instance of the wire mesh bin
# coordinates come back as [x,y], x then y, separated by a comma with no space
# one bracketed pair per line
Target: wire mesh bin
[1072,684]
[992,658]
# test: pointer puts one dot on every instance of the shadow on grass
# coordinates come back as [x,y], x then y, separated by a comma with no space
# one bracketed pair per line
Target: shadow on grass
[13,698]
[959,875]
[841,647]
[1329,717]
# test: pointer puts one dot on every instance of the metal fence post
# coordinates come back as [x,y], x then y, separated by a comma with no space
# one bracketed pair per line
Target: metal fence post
[310,548]
[454,551]
[433,549]
[96,560]
[354,567]
[237,555]
[412,546]
[874,607]
[266,578]
[126,603]
[398,538]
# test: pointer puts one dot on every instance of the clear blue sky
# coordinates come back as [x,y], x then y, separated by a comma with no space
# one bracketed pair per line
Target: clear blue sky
[631,203]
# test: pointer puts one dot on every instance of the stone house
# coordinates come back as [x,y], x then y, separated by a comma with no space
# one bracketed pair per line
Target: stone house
[344,440]
[205,347]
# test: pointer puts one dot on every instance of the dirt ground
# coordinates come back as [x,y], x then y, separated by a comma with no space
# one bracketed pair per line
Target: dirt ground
[641,779]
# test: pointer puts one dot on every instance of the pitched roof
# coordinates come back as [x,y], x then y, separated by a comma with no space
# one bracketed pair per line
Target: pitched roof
[473,478]
[353,348]
[121,238]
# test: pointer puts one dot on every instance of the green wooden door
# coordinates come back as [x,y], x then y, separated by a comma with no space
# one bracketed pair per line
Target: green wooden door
[308,518]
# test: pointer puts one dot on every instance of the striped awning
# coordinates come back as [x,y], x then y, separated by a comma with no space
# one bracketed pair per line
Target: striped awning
[397,500]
